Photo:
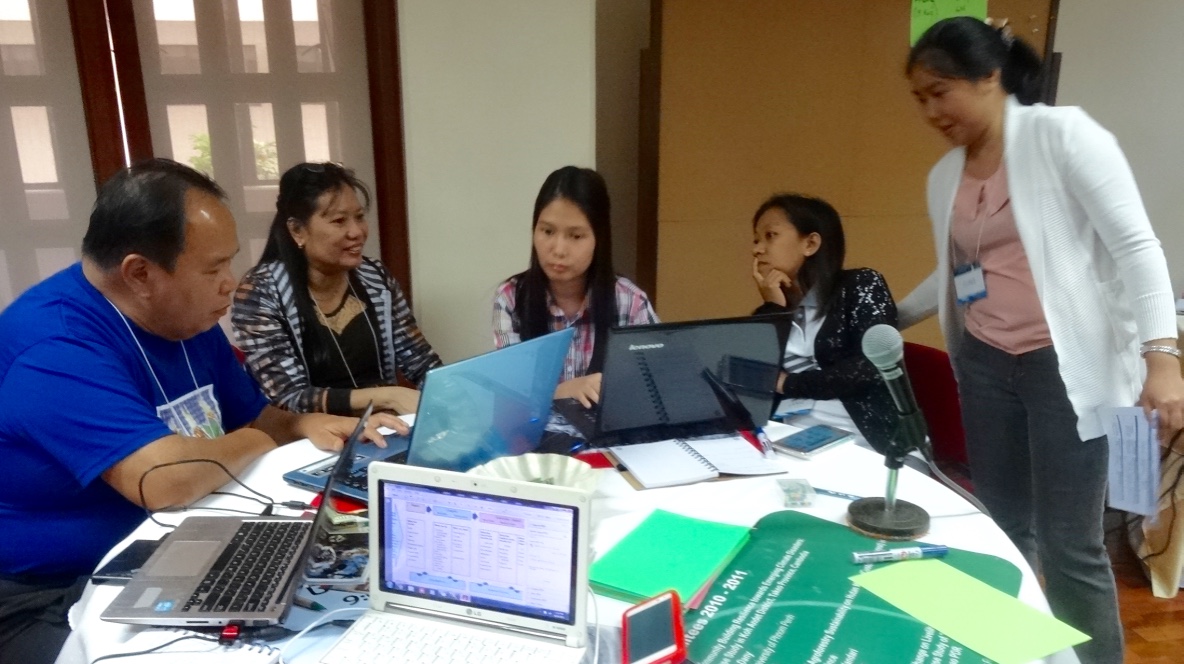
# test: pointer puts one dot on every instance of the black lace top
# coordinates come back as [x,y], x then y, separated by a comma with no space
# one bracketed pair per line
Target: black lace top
[862,300]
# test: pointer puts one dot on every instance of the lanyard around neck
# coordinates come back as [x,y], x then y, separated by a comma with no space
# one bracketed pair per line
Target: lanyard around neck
[145,355]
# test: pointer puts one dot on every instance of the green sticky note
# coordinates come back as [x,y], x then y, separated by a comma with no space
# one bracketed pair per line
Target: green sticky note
[969,611]
[928,12]
[667,551]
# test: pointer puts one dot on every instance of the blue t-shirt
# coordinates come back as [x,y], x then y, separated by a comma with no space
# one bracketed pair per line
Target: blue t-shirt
[77,397]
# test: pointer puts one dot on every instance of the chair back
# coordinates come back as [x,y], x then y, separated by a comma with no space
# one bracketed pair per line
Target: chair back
[936,389]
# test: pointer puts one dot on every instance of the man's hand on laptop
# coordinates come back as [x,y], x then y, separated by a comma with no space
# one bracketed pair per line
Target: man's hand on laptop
[329,432]
[585,389]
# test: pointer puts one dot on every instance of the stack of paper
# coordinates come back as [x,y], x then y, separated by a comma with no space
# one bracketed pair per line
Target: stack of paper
[667,552]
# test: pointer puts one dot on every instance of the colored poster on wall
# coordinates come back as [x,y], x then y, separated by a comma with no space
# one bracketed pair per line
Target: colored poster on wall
[928,12]
[788,597]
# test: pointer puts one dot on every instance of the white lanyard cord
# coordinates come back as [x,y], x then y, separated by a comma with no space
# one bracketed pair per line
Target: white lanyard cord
[982,224]
[336,344]
[145,355]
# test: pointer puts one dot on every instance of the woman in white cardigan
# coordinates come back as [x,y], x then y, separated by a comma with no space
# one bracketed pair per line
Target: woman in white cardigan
[1050,284]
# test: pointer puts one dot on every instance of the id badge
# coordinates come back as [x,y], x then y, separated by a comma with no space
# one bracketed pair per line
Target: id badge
[969,283]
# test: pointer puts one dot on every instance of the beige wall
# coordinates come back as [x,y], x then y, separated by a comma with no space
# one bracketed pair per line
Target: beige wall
[622,30]
[767,96]
[496,95]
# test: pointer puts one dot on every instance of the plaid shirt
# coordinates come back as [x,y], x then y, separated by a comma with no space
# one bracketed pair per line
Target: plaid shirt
[633,308]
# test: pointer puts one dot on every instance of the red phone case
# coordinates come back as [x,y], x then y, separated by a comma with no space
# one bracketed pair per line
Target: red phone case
[680,649]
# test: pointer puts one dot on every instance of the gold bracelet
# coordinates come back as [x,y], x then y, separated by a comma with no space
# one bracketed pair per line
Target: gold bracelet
[1174,352]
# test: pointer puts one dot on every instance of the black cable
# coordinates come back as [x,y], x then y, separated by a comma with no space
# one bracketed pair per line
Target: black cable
[144,503]
[195,637]
[1169,491]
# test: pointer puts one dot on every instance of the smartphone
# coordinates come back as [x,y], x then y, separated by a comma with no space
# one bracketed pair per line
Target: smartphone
[126,563]
[812,440]
[651,632]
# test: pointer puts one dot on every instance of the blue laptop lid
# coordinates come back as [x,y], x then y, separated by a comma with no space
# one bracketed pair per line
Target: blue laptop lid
[488,406]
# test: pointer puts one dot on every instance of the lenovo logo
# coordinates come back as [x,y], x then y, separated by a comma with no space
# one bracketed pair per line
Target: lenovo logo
[646,346]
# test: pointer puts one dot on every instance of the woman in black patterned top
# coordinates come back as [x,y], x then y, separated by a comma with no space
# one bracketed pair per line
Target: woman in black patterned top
[798,250]
[324,328]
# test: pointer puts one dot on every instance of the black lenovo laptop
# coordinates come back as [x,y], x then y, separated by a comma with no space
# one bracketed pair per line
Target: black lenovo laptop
[673,380]
[216,569]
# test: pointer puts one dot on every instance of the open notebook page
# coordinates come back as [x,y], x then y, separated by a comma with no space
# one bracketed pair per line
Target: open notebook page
[734,455]
[664,463]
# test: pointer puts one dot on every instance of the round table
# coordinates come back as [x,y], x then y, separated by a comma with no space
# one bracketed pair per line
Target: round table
[617,508]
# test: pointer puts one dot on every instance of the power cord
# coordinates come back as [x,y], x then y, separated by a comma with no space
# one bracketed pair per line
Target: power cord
[319,622]
[595,621]
[1169,491]
[194,637]
[259,497]
[927,453]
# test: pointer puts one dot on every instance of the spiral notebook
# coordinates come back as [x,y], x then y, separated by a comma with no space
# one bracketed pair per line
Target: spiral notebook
[674,462]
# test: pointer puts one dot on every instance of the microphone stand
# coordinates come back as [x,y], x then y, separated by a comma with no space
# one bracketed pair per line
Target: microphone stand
[887,517]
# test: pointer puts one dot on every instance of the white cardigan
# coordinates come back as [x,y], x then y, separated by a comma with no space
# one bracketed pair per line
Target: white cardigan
[1099,270]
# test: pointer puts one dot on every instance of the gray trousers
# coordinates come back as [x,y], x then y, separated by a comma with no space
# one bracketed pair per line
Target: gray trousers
[1044,486]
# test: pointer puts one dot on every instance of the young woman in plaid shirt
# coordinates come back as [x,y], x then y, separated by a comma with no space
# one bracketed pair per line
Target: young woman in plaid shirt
[570,281]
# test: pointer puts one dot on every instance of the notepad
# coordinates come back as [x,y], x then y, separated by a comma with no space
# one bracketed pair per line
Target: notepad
[667,551]
[970,611]
[674,462]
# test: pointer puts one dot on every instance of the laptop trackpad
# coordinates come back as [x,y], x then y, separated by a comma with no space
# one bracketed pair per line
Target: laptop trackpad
[184,558]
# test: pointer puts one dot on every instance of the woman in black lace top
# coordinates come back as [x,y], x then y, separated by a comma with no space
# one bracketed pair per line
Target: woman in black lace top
[798,250]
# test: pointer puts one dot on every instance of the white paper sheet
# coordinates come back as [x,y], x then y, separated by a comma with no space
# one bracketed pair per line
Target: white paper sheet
[1134,460]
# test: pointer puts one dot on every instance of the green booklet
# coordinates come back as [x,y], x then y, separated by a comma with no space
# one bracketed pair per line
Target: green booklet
[788,597]
[667,551]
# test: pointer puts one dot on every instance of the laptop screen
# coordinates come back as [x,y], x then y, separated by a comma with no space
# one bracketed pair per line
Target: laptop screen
[339,549]
[489,406]
[662,375]
[477,549]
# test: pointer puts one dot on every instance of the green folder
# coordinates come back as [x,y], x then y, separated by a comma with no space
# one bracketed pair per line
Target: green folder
[667,551]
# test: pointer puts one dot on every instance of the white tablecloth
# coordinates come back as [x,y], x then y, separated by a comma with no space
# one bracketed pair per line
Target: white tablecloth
[618,508]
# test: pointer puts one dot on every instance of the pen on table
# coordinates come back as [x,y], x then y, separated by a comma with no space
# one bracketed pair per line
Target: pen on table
[307,603]
[766,444]
[893,555]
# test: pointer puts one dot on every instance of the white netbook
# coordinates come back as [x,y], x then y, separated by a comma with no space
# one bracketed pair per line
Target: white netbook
[494,569]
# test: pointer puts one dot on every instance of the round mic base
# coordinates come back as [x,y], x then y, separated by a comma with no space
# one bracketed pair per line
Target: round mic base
[906,521]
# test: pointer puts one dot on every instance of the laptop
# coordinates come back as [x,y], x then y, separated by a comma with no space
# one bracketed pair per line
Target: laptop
[675,380]
[493,566]
[470,412]
[212,570]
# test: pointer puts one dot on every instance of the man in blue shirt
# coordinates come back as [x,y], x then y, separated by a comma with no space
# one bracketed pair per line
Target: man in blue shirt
[119,394]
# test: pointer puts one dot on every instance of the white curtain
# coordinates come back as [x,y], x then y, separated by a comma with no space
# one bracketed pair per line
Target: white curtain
[46,179]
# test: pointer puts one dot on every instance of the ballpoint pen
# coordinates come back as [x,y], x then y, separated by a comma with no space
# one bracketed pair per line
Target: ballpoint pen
[766,444]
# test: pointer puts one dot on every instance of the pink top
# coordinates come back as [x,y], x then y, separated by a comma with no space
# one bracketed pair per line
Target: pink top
[1010,317]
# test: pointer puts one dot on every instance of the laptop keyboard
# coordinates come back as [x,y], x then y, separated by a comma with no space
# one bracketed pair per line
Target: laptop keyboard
[583,419]
[359,478]
[244,578]
[381,638]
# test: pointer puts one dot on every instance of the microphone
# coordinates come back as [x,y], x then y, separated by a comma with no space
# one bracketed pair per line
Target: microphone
[884,348]
[887,517]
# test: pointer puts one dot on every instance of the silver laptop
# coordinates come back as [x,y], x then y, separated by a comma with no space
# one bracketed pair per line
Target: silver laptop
[212,570]
[496,569]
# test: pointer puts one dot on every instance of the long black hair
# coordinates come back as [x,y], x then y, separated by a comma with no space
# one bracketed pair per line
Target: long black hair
[820,271]
[300,188]
[584,188]
[967,48]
